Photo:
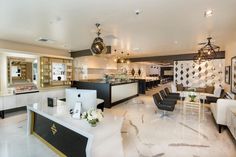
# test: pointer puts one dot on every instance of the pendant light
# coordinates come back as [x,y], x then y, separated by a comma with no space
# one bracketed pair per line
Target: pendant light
[98,46]
[122,58]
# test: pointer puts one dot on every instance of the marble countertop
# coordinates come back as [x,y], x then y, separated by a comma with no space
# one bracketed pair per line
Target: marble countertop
[108,130]
[52,88]
[109,82]
[61,113]
[10,92]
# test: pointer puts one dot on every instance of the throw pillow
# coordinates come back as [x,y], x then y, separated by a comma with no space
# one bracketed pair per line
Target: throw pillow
[210,89]
[180,87]
[201,90]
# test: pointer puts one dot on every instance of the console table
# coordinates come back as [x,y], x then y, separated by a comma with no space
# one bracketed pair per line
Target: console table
[231,120]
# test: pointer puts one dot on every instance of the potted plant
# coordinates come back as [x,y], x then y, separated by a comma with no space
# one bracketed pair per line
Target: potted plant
[192,96]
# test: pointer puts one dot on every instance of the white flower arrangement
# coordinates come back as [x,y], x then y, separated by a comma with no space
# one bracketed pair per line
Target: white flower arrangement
[93,116]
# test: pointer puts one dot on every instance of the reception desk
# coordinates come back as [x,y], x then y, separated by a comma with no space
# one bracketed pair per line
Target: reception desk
[55,127]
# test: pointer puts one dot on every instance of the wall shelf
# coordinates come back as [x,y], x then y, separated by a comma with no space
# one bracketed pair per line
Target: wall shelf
[46,73]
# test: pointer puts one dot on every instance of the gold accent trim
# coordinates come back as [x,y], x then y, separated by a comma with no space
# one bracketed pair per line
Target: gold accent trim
[32,122]
[49,145]
[43,140]
[53,129]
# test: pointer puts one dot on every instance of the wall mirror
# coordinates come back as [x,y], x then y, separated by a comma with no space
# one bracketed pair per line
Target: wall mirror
[21,70]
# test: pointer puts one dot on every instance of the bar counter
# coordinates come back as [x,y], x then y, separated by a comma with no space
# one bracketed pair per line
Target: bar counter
[112,93]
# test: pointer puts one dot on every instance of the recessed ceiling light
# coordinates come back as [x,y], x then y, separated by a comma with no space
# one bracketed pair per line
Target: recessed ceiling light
[45,40]
[208,13]
[138,12]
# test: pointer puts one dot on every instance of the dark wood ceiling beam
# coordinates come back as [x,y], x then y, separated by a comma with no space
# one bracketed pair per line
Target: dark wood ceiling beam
[86,52]
[172,58]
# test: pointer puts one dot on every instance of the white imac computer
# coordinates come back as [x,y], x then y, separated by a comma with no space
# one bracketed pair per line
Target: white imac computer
[87,98]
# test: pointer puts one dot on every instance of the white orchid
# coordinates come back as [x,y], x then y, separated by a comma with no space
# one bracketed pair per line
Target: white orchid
[93,116]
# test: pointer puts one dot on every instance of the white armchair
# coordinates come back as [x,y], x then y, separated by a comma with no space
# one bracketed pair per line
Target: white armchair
[173,88]
[219,111]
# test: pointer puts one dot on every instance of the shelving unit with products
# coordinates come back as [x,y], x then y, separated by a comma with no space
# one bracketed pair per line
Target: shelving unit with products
[55,72]
[45,71]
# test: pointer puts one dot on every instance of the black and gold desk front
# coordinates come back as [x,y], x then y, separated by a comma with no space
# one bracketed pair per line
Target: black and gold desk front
[63,141]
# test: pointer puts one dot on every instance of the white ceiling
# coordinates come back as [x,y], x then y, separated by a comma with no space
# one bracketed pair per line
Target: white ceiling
[164,26]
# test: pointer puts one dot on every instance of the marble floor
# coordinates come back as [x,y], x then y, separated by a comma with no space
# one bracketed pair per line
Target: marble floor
[144,133]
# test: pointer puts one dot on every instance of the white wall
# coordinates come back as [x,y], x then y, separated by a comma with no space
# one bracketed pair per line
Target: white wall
[230,51]
[93,67]
[3,72]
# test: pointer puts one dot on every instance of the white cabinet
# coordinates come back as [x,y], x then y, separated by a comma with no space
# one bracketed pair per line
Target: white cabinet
[123,91]
[9,102]
[21,100]
[15,101]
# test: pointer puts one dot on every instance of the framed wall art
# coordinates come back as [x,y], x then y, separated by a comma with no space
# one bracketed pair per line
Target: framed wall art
[227,74]
[233,75]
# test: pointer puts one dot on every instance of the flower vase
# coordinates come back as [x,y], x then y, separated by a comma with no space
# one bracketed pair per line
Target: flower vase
[93,124]
[192,99]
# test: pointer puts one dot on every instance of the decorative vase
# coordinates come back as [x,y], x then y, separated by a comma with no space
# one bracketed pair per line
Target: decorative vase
[192,98]
[133,72]
[93,124]
[139,72]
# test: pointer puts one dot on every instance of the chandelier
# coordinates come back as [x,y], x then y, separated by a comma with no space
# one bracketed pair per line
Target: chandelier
[200,57]
[98,46]
[122,58]
[207,52]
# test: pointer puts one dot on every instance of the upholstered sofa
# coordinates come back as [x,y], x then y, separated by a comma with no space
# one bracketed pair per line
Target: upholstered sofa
[212,93]
[219,111]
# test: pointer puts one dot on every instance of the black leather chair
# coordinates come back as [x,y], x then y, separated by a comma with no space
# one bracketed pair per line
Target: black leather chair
[168,98]
[174,95]
[169,93]
[101,106]
[163,105]
[212,99]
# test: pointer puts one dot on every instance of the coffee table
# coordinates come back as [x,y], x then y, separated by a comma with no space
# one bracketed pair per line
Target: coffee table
[195,106]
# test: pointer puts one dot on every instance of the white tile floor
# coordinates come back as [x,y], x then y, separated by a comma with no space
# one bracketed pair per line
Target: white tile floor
[144,133]
[15,143]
